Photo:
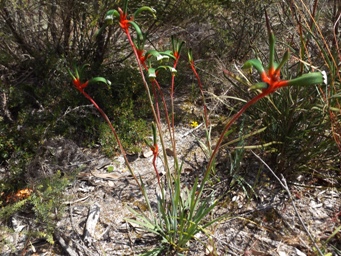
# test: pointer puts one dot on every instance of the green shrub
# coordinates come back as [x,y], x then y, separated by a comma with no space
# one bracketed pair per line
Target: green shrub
[46,203]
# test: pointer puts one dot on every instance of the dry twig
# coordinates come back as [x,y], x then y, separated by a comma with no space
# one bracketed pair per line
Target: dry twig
[284,184]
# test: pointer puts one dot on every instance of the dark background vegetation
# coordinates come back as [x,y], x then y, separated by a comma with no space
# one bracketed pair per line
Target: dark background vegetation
[40,39]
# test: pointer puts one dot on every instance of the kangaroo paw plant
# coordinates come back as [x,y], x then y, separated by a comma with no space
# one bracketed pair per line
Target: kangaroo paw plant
[270,82]
[181,213]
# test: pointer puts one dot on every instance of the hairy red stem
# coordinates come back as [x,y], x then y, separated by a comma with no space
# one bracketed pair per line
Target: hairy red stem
[227,126]
[114,132]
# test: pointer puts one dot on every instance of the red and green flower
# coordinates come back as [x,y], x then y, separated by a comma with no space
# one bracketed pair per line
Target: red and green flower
[80,86]
[270,77]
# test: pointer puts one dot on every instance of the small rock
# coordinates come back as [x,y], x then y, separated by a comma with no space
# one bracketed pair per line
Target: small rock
[111,184]
[313,204]
[299,253]
[132,157]
[103,162]
[147,153]
[169,152]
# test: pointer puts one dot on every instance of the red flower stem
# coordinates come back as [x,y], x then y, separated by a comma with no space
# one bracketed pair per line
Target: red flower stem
[201,91]
[156,102]
[227,126]
[158,124]
[115,134]
[159,90]
[173,120]
[155,168]
[164,105]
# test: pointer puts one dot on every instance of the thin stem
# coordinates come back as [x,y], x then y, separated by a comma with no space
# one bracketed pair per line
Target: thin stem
[206,120]
[173,114]
[156,84]
[284,184]
[164,106]
[115,134]
[156,102]
[155,168]
[173,121]
[158,124]
[220,140]
[202,93]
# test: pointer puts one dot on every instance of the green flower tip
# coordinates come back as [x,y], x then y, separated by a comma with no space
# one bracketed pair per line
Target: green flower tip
[173,70]
[153,11]
[152,73]
[110,15]
[254,63]
[145,8]
[324,75]
[161,57]
[100,79]
[190,55]
[310,79]
[260,85]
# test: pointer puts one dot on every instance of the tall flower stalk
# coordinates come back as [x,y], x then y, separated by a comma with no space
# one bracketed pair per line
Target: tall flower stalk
[270,82]
[80,86]
[181,211]
[126,23]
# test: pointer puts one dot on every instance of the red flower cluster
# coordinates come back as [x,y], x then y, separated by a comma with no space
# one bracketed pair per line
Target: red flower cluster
[124,22]
[79,85]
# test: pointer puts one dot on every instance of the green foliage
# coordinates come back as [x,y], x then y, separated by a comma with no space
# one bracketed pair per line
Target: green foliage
[180,216]
[35,49]
[39,99]
[45,202]
[300,125]
[297,128]
[6,143]
[128,110]
[296,121]
[131,132]
[10,210]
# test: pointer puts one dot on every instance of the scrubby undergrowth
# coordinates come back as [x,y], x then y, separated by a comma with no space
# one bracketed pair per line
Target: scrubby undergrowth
[44,122]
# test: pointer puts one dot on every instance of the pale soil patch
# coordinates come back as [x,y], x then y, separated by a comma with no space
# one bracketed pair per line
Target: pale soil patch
[262,225]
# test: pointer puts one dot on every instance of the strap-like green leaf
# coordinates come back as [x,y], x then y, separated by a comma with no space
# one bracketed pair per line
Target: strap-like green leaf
[271,43]
[284,60]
